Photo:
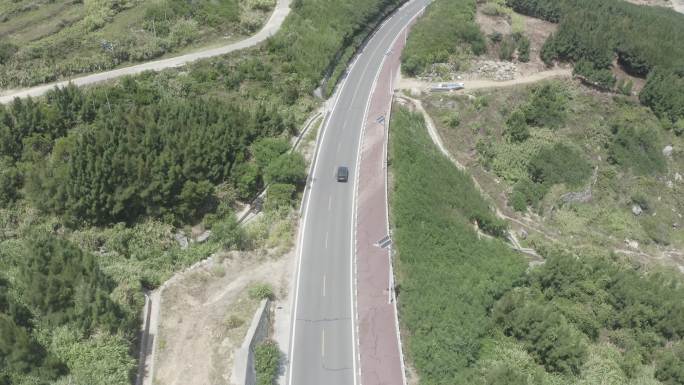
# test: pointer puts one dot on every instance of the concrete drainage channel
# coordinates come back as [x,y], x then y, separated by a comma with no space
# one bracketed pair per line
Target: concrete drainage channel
[244,372]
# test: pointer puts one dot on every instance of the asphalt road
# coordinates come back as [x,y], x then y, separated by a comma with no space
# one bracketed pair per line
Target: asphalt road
[323,348]
[273,24]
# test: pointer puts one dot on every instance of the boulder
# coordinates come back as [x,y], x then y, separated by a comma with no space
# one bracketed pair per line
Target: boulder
[204,236]
[637,210]
[667,151]
[181,239]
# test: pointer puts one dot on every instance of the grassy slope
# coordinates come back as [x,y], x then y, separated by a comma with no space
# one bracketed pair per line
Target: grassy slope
[471,315]
[449,277]
[63,38]
[605,221]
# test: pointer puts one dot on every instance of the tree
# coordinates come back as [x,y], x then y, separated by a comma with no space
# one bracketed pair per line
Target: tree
[10,181]
[287,168]
[65,285]
[266,150]
[517,129]
[280,195]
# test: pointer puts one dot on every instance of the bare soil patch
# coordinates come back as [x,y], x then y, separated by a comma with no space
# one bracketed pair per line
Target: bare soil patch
[206,313]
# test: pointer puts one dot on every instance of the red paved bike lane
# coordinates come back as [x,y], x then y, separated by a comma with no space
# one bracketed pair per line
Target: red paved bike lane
[379,346]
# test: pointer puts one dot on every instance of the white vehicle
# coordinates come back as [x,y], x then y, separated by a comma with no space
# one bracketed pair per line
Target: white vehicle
[448,87]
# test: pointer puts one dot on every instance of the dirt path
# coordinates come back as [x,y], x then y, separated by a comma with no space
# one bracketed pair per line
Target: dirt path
[282,9]
[418,86]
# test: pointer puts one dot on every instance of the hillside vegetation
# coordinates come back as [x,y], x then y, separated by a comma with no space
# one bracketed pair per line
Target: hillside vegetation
[646,41]
[96,182]
[473,314]
[577,161]
[46,40]
[446,32]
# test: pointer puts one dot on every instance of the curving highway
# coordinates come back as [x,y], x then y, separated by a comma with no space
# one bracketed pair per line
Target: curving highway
[273,24]
[323,340]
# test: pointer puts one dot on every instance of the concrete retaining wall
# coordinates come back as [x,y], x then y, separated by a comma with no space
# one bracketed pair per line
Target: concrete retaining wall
[243,362]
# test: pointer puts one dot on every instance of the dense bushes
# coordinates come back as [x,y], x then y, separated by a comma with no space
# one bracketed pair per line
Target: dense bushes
[547,10]
[547,106]
[448,277]
[664,93]
[149,159]
[645,40]
[557,164]
[60,285]
[320,36]
[545,332]
[266,363]
[437,35]
[636,148]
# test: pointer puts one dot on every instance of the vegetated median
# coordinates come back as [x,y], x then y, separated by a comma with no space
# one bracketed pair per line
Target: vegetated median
[471,313]
[96,183]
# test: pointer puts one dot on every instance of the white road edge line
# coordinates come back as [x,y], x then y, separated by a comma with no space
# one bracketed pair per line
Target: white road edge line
[323,342]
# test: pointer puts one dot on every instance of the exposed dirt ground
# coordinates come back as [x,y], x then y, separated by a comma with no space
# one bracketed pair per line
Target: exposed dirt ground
[205,314]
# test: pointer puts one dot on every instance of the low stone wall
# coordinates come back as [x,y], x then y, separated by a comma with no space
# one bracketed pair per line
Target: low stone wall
[243,363]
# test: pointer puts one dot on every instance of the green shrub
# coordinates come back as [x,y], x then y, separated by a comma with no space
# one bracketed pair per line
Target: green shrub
[261,291]
[547,106]
[10,181]
[516,127]
[453,120]
[625,87]
[7,50]
[267,362]
[670,366]
[229,234]
[526,193]
[602,77]
[280,195]
[559,164]
[664,93]
[637,149]
[555,343]
[524,49]
[288,168]
[543,9]
[506,49]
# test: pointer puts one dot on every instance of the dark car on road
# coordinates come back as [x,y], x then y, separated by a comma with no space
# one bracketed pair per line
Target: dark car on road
[342,174]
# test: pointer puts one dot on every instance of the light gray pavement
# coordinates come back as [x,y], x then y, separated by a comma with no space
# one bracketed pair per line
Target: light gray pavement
[273,24]
[322,345]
